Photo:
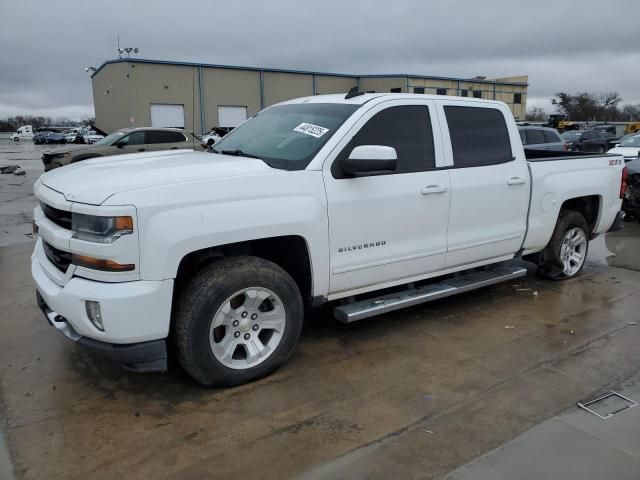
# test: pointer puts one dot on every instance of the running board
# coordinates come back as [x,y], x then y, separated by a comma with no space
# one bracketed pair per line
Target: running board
[352,312]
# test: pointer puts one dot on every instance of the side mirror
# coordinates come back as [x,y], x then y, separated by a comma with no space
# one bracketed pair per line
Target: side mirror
[121,144]
[370,159]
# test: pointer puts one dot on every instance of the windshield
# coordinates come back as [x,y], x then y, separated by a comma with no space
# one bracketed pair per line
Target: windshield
[109,139]
[631,142]
[571,135]
[286,136]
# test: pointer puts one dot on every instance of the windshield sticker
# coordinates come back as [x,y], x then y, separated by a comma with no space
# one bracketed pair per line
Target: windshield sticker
[311,129]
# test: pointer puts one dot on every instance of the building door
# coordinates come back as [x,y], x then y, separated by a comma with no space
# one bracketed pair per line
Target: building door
[165,115]
[231,116]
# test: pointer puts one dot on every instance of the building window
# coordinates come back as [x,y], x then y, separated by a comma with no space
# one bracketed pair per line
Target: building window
[517,98]
[464,93]
[396,90]
[441,91]
[477,94]
[418,89]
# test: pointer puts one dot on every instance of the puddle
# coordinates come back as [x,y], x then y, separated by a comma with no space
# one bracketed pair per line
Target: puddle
[618,249]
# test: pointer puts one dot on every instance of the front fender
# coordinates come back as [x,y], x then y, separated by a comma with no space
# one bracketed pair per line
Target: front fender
[183,218]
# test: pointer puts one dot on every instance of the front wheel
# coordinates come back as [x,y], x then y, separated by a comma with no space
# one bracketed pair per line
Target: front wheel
[565,255]
[237,320]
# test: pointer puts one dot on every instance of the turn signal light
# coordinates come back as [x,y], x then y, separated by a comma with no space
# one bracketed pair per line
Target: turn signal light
[101,264]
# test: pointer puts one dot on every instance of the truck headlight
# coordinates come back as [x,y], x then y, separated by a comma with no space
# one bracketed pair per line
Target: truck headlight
[100,229]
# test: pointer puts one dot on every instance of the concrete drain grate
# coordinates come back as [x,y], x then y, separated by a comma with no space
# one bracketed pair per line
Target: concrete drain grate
[608,405]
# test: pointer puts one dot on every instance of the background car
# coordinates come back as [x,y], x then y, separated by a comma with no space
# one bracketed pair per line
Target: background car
[588,141]
[541,138]
[39,137]
[127,140]
[617,141]
[91,137]
[631,201]
[629,148]
[55,137]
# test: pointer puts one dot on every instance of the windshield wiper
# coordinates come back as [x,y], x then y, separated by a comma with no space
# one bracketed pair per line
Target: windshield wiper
[237,153]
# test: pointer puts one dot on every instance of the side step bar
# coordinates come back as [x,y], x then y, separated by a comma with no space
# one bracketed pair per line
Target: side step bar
[352,312]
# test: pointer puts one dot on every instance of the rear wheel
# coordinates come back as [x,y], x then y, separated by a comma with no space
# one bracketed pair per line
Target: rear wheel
[237,320]
[566,253]
[601,149]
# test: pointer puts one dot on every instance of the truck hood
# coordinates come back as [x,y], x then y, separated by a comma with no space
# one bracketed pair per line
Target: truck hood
[93,181]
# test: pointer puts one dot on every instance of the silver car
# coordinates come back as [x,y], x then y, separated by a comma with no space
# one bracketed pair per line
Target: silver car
[541,138]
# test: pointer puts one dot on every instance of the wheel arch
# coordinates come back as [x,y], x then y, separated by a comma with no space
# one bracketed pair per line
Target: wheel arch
[590,206]
[290,252]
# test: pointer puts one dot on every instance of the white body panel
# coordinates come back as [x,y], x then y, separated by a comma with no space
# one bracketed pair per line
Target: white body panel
[431,222]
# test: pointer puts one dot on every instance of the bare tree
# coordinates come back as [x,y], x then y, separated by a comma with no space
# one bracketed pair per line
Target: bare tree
[536,114]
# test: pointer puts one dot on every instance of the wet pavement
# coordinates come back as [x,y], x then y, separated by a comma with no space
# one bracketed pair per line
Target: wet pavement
[412,394]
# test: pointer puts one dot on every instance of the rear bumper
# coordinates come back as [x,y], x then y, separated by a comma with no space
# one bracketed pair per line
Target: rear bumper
[141,357]
[618,223]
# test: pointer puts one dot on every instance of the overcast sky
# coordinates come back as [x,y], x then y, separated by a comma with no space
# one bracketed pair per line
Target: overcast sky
[565,45]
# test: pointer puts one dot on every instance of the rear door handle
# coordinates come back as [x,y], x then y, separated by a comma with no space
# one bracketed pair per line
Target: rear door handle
[431,189]
[516,181]
[141,149]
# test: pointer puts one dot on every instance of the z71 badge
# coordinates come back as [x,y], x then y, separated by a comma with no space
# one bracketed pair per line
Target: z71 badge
[361,246]
[617,161]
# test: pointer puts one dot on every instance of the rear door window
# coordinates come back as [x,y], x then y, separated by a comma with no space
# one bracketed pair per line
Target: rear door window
[535,136]
[551,137]
[164,136]
[407,128]
[479,136]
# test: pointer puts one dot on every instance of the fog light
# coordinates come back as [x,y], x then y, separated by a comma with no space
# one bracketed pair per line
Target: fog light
[94,314]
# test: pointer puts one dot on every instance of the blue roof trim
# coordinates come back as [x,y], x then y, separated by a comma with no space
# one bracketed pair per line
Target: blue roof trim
[303,72]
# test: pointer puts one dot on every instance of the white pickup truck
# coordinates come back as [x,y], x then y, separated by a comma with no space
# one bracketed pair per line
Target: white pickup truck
[372,201]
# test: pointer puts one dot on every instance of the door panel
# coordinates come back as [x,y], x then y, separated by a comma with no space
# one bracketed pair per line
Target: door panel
[488,212]
[383,228]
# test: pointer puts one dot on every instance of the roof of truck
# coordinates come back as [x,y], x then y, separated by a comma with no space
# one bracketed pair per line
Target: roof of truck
[366,97]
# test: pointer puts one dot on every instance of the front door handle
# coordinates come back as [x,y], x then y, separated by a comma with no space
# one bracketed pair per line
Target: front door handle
[431,189]
[141,149]
[516,181]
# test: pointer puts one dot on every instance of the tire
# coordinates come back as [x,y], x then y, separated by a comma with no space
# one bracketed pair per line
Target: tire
[230,285]
[553,259]
[601,149]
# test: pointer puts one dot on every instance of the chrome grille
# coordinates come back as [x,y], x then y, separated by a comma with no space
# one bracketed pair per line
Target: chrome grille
[60,259]
[59,217]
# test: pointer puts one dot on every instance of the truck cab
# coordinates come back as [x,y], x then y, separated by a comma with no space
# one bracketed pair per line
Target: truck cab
[22,133]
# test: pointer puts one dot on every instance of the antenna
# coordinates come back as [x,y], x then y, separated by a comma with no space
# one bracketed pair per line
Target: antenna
[353,92]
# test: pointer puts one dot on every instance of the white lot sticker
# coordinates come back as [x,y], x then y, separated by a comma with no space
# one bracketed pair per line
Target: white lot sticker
[311,129]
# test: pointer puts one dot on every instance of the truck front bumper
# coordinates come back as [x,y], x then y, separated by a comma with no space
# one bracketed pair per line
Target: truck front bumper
[135,316]
[141,357]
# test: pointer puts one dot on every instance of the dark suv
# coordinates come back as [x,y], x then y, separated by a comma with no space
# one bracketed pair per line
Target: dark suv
[588,141]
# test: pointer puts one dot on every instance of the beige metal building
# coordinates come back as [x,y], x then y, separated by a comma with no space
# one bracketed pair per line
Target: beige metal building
[136,92]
